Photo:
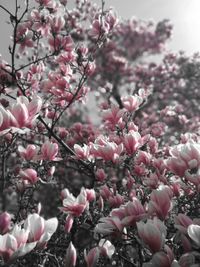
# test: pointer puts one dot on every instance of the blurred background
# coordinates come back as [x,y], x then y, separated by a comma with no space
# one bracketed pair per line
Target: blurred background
[184,15]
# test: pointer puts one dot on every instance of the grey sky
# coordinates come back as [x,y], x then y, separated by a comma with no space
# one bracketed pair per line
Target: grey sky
[184,15]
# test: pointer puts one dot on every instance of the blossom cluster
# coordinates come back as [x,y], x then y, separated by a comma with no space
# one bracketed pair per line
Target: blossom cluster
[107,141]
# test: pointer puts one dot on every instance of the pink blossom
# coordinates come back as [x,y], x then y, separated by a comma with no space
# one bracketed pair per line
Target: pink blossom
[40,21]
[69,223]
[92,257]
[5,222]
[100,175]
[82,152]
[75,206]
[29,175]
[106,150]
[106,248]
[131,103]
[152,234]
[160,203]
[99,27]
[14,244]
[49,151]
[132,141]
[109,225]
[71,256]
[24,37]
[56,23]
[130,213]
[29,152]
[182,222]
[91,195]
[21,114]
[40,230]
[185,161]
[112,116]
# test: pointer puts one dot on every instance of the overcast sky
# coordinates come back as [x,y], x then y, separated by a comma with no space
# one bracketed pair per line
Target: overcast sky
[184,15]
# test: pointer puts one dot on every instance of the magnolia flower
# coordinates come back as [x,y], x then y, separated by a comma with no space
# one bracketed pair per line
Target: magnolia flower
[49,151]
[106,150]
[132,141]
[40,230]
[72,205]
[152,233]
[106,248]
[71,255]
[15,244]
[185,161]
[131,103]
[160,203]
[112,115]
[92,257]
[21,114]
[29,175]
[182,222]
[82,152]
[5,221]
[28,153]
[69,223]
[109,225]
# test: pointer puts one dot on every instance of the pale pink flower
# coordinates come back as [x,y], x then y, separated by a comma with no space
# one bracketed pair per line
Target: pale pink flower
[111,19]
[74,206]
[106,150]
[116,200]
[21,114]
[49,151]
[28,153]
[40,20]
[91,195]
[130,213]
[57,24]
[29,175]
[132,141]
[92,257]
[71,255]
[113,115]
[106,248]
[100,175]
[109,225]
[185,161]
[131,103]
[24,37]
[14,244]
[152,233]
[7,119]
[160,203]
[5,222]
[69,223]
[182,222]
[82,152]
[40,230]
[99,27]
